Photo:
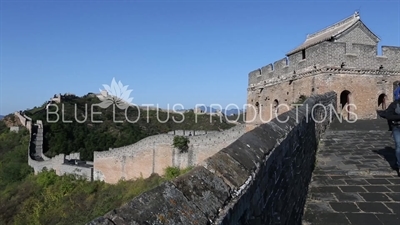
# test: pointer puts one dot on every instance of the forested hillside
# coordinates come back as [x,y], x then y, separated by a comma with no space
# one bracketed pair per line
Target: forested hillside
[58,200]
[95,129]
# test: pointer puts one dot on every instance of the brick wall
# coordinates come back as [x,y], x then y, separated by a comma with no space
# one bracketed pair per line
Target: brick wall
[155,153]
[364,87]
[261,178]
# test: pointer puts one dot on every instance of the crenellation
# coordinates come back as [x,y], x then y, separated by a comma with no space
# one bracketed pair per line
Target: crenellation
[73,156]
[189,132]
[267,69]
[391,51]
[294,60]
[131,150]
[154,153]
[253,76]
[328,54]
[280,65]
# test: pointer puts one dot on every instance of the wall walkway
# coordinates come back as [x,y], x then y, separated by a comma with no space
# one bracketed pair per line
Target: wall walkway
[353,182]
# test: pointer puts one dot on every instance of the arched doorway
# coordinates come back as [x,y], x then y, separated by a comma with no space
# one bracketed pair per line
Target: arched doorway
[382,100]
[345,103]
[275,106]
[257,107]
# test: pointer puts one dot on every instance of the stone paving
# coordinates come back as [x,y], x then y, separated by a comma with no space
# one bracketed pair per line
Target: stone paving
[354,181]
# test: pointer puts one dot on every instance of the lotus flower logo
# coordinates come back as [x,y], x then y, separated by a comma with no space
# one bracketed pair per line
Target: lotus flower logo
[117,94]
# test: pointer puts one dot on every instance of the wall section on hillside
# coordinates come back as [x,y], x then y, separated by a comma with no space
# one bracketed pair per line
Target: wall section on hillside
[61,164]
[155,153]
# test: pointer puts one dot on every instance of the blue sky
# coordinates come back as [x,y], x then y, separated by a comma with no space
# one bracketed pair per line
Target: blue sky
[188,52]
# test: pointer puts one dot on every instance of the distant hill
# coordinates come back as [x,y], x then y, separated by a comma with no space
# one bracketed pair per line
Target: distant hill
[1,117]
[230,112]
[227,112]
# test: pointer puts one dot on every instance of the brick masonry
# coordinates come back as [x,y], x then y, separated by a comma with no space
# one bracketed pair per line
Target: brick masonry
[349,65]
[155,153]
[261,178]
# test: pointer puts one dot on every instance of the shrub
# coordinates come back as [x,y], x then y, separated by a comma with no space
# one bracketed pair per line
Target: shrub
[181,143]
[172,172]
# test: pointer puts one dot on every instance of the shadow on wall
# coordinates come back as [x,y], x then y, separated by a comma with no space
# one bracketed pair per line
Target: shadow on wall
[261,178]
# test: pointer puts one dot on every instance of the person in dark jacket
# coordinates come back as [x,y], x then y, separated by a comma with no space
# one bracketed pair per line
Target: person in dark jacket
[392,113]
[396,97]
[396,92]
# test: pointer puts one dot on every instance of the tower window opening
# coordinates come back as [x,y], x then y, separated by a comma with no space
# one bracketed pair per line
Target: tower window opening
[303,54]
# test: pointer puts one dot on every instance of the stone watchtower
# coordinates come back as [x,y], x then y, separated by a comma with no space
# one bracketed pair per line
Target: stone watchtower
[342,58]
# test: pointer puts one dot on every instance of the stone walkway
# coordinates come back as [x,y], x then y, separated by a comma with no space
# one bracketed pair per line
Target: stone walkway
[353,182]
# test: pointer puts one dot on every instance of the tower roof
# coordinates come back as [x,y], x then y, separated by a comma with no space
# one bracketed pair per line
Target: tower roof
[328,33]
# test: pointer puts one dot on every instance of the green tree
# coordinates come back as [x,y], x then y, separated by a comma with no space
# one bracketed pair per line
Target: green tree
[181,143]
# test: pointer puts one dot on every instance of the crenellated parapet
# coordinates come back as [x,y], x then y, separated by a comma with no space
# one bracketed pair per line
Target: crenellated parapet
[325,70]
[206,138]
[155,153]
[328,54]
[191,132]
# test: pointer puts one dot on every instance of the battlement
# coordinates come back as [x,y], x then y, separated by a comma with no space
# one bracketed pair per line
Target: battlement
[202,138]
[328,54]
[190,132]
[24,119]
[155,153]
